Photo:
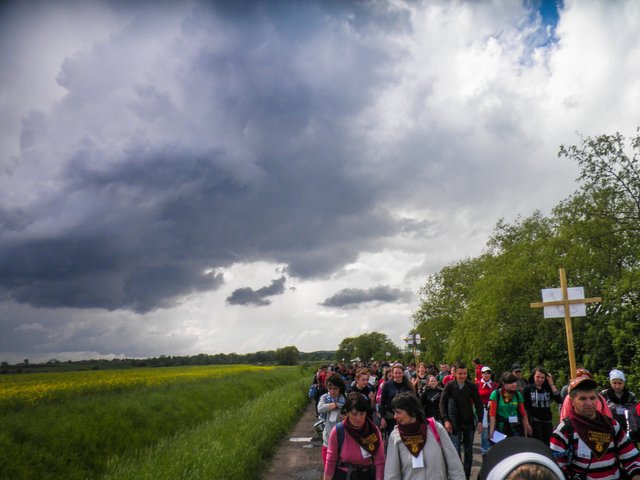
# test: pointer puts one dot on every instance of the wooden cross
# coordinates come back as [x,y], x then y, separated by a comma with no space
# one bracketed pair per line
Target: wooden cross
[414,339]
[566,303]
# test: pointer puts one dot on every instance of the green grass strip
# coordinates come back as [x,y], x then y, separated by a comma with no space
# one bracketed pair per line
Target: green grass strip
[234,446]
[73,439]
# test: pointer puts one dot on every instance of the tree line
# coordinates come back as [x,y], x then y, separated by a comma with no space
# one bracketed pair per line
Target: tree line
[289,355]
[480,306]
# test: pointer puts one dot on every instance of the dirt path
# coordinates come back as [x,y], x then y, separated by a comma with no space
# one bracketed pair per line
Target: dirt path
[298,456]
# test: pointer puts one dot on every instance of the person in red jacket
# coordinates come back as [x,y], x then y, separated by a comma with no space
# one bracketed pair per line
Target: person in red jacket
[486,385]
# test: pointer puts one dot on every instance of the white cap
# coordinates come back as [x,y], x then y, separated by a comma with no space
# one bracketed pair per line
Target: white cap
[485,369]
[616,375]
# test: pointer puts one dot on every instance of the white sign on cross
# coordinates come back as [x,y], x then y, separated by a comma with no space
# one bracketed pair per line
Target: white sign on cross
[557,311]
[565,302]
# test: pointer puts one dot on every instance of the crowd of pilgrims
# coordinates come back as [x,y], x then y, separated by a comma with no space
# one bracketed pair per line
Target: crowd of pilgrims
[386,421]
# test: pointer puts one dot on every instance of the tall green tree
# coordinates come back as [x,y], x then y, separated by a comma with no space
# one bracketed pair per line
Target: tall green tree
[288,355]
[480,306]
[366,346]
[607,166]
[346,350]
[603,218]
[444,299]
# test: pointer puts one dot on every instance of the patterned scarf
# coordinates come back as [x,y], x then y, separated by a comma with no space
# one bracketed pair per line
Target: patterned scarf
[596,433]
[366,436]
[507,396]
[414,436]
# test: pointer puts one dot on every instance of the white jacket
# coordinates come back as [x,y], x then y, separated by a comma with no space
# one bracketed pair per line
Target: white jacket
[331,417]
[399,464]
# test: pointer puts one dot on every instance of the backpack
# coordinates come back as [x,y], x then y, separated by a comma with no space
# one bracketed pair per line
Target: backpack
[633,424]
[340,432]
[434,430]
[313,390]
[350,474]
[569,433]
[315,387]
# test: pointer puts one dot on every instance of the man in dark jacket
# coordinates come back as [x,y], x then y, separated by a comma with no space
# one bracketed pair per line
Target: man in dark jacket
[461,408]
[620,399]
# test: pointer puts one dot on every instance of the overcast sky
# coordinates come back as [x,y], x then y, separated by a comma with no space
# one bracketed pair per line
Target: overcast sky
[234,176]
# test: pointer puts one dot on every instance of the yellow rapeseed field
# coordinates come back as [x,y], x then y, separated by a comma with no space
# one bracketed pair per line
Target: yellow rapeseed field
[17,391]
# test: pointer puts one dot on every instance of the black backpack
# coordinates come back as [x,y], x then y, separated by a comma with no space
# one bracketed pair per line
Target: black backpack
[631,418]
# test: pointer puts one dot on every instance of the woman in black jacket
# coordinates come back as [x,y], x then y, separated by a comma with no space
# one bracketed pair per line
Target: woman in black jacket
[430,398]
[539,395]
[398,384]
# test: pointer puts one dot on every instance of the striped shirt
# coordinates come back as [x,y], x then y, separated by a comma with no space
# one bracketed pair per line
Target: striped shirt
[573,455]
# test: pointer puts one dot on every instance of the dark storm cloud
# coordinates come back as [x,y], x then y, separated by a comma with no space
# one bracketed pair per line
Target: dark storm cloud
[26,329]
[351,297]
[91,272]
[257,298]
[177,153]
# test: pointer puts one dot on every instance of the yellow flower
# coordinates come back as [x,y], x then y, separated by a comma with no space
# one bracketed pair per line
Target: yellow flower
[17,391]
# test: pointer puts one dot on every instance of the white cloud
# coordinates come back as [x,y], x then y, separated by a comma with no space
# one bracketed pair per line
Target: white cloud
[337,146]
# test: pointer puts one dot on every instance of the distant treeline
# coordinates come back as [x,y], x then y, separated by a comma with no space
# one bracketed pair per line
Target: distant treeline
[286,355]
